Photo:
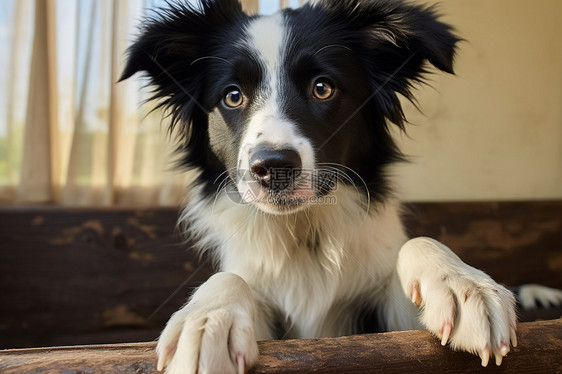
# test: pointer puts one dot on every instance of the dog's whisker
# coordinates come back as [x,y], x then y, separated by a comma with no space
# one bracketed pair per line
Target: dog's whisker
[368,193]
[211,58]
[339,174]
[227,171]
[225,181]
[221,189]
[221,185]
[332,46]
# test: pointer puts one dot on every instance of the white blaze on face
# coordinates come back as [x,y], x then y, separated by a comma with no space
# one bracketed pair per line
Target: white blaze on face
[266,36]
[266,39]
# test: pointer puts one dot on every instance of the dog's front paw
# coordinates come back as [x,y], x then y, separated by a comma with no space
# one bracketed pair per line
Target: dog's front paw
[213,333]
[459,304]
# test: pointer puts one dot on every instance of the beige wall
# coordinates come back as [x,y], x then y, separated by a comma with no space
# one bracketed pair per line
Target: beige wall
[493,131]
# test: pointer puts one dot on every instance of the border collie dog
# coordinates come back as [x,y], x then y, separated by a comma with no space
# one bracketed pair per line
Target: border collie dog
[285,119]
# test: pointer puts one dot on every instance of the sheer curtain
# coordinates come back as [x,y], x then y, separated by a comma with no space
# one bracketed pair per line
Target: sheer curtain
[68,133]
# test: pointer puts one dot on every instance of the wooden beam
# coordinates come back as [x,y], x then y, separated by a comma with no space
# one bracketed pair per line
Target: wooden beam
[514,242]
[539,351]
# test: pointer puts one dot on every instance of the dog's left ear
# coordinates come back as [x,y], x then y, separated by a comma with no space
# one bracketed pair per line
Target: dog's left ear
[399,27]
[417,30]
[397,38]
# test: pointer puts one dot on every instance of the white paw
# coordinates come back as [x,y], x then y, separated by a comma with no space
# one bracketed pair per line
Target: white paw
[529,294]
[461,305]
[213,333]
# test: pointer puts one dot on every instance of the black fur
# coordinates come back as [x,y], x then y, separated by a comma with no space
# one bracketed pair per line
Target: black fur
[168,50]
[373,52]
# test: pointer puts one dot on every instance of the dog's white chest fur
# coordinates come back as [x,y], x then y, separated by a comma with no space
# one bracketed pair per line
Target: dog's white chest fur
[306,263]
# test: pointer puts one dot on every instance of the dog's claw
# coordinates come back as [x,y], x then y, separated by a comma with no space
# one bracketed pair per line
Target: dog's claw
[160,365]
[162,358]
[415,295]
[504,349]
[446,333]
[502,352]
[485,355]
[241,362]
[513,337]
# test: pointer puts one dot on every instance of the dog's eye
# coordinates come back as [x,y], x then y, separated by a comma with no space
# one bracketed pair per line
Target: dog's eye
[322,89]
[233,98]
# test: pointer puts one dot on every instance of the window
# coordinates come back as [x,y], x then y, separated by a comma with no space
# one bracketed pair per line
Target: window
[68,133]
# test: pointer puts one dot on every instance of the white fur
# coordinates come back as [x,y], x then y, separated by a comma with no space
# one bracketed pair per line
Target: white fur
[529,294]
[361,257]
[357,253]
[267,36]
[214,332]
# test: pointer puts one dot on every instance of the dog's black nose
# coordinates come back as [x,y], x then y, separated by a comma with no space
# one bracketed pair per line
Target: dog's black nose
[275,169]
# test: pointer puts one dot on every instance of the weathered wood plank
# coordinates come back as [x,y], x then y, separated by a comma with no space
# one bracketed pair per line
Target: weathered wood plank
[515,242]
[82,276]
[539,351]
[95,275]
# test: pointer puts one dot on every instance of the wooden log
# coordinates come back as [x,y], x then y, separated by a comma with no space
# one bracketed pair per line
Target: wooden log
[539,351]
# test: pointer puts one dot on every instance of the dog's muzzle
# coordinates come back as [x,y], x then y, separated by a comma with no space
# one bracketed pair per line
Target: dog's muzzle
[276,181]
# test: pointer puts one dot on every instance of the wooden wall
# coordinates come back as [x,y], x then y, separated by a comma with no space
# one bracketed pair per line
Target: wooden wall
[85,276]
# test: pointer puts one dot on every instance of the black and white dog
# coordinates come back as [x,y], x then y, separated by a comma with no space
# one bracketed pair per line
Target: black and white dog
[285,119]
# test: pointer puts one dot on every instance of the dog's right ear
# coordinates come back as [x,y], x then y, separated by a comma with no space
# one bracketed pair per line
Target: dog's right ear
[170,44]
[171,41]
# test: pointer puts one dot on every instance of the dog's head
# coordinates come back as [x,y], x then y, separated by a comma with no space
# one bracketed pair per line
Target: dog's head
[289,105]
